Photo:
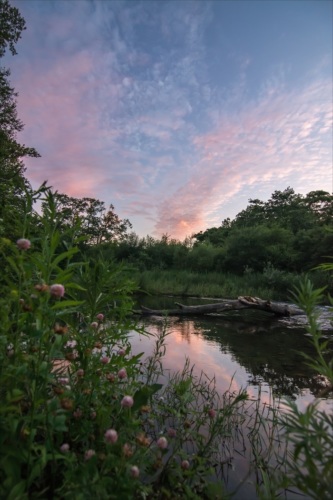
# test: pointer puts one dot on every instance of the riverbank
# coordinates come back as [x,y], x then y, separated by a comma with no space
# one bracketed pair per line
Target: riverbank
[271,285]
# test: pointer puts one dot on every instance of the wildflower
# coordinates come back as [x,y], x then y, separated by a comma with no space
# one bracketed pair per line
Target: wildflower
[105,360]
[211,413]
[70,356]
[143,440]
[88,454]
[93,415]
[162,443]
[121,352]
[110,377]
[122,373]
[64,448]
[111,436]
[71,343]
[77,413]
[185,464]
[67,404]
[41,287]
[60,329]
[135,471]
[80,372]
[127,450]
[94,325]
[63,380]
[127,402]
[23,244]
[145,409]
[100,317]
[57,290]
[172,432]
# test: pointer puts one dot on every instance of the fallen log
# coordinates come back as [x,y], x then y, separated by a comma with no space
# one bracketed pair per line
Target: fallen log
[276,308]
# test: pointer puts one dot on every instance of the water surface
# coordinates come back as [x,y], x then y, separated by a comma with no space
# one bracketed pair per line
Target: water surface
[252,351]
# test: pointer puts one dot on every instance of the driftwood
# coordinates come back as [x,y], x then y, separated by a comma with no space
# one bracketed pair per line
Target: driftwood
[277,308]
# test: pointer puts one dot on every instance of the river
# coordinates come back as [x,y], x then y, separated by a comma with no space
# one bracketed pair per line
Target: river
[250,351]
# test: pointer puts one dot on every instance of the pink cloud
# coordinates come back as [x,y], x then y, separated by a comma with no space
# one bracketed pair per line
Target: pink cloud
[267,145]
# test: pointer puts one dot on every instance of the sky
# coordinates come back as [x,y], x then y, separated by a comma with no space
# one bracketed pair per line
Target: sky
[176,112]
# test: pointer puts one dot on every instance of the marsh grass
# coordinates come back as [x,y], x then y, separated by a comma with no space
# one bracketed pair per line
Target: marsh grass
[208,284]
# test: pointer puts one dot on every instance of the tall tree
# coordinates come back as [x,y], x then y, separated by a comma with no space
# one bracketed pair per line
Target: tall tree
[12,179]
[91,218]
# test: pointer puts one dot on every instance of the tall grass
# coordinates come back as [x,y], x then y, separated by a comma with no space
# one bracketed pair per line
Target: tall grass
[272,284]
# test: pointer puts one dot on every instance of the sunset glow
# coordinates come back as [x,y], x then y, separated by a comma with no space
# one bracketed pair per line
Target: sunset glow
[176,112]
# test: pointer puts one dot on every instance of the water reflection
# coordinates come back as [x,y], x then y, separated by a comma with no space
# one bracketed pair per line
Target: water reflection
[242,353]
[261,356]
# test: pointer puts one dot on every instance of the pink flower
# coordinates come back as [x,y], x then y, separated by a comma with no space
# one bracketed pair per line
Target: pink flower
[121,352]
[127,402]
[185,464]
[211,413]
[94,325]
[57,290]
[64,448]
[172,432]
[162,443]
[100,317]
[105,360]
[135,471]
[23,244]
[88,454]
[63,380]
[71,343]
[110,377]
[77,413]
[111,436]
[93,415]
[122,373]
[80,372]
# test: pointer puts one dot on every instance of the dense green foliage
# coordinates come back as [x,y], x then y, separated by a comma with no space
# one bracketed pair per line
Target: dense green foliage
[81,415]
[290,231]
[13,183]
[79,411]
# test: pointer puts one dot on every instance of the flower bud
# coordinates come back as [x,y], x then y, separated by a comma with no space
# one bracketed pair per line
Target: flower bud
[162,443]
[88,454]
[122,373]
[111,436]
[211,413]
[127,402]
[135,471]
[185,464]
[57,290]
[23,244]
[172,432]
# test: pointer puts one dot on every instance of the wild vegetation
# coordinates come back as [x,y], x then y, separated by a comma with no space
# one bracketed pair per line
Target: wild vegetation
[80,415]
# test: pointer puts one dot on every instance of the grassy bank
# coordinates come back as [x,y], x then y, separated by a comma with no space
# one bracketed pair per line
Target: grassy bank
[272,284]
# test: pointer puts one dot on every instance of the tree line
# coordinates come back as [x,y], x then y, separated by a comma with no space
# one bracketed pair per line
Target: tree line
[289,232]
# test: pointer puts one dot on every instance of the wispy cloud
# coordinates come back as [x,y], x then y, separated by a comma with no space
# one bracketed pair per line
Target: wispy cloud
[151,107]
[283,138]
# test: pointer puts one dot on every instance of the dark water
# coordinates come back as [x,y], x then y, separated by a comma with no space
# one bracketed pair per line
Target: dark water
[251,351]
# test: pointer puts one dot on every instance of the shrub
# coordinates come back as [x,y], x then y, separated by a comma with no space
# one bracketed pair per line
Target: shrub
[80,415]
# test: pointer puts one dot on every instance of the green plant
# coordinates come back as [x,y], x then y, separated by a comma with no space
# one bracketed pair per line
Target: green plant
[308,434]
[81,415]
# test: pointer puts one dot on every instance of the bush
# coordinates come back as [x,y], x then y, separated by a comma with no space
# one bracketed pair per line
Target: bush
[80,415]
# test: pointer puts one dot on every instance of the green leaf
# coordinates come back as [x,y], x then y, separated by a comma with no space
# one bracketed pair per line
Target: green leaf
[67,303]
[17,491]
[143,395]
